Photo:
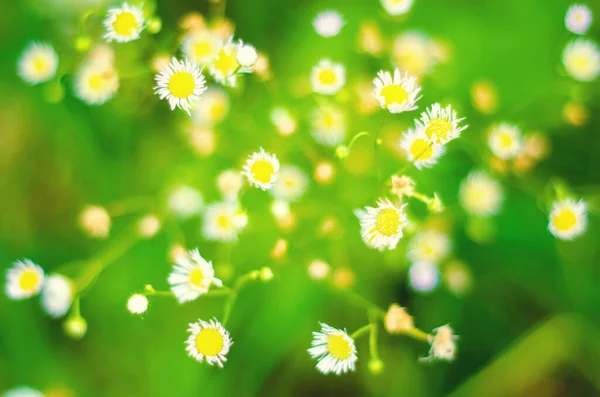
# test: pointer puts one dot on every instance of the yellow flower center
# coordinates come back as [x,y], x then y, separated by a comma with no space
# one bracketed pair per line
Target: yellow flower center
[209,342]
[125,24]
[224,221]
[387,222]
[339,347]
[182,84]
[565,220]
[226,62]
[506,140]
[394,94]
[40,65]
[421,149]
[196,277]
[580,62]
[29,280]
[438,129]
[96,82]
[204,49]
[262,171]
[326,77]
[217,110]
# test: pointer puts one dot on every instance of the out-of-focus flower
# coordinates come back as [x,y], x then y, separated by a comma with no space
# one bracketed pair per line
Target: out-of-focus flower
[397,94]
[423,276]
[57,295]
[329,125]
[247,56]
[24,279]
[23,391]
[96,82]
[343,278]
[213,107]
[443,344]
[262,68]
[402,185]
[581,59]
[38,63]
[201,46]
[578,18]
[334,349]
[262,169]
[223,222]
[480,194]
[327,77]
[366,103]
[429,246]
[208,341]
[192,22]
[397,320]
[318,269]
[397,7]
[280,249]
[324,172]
[413,53]
[369,38]
[505,141]
[283,120]
[441,124]
[537,146]
[328,23]
[484,96]
[291,184]
[229,183]
[123,24]
[95,221]
[576,113]
[225,66]
[568,219]
[159,62]
[181,83]
[457,277]
[419,150]
[137,304]
[381,227]
[184,201]
[202,140]
[148,226]
[192,276]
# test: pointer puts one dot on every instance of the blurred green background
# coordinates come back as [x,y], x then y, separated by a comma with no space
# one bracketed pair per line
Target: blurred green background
[529,327]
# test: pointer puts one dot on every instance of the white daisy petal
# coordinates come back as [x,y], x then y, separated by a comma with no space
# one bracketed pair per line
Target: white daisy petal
[397,94]
[334,349]
[38,63]
[192,278]
[568,219]
[208,341]
[181,83]
[123,24]
[262,169]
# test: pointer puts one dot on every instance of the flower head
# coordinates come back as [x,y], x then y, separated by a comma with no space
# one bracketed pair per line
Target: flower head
[578,18]
[229,183]
[213,107]
[443,344]
[291,184]
[327,77]
[568,219]
[505,141]
[192,276]
[38,63]
[24,279]
[397,7]
[440,125]
[402,185]
[423,276]
[185,201]
[208,341]
[123,24]
[181,83]
[247,56]
[23,391]
[334,349]
[397,320]
[328,23]
[419,150]
[480,194]
[397,94]
[414,52]
[329,125]
[225,65]
[381,227]
[581,59]
[137,304]
[57,295]
[262,169]
[223,222]
[429,246]
[96,82]
[201,46]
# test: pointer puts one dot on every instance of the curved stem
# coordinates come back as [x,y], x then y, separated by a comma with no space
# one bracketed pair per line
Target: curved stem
[233,293]
[361,331]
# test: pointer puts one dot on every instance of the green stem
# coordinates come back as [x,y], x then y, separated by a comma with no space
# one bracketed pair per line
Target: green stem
[233,293]
[417,334]
[376,147]
[373,340]
[356,137]
[364,303]
[361,331]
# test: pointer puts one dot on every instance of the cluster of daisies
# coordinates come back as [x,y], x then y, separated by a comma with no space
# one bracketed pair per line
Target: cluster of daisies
[581,56]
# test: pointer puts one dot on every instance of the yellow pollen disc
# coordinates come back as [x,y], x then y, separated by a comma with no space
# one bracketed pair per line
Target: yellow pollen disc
[565,220]
[394,94]
[39,64]
[226,62]
[327,77]
[339,347]
[209,342]
[262,171]
[438,129]
[581,62]
[217,110]
[125,24]
[224,221]
[289,183]
[328,119]
[421,149]
[387,222]
[204,49]
[29,280]
[96,81]
[505,140]
[196,277]
[182,84]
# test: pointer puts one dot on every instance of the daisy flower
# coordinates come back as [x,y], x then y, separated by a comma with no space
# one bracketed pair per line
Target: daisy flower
[423,276]
[137,304]
[381,227]
[440,124]
[213,107]
[208,341]
[229,183]
[201,46]
[397,7]
[429,246]
[581,59]
[329,126]
[412,52]
[95,221]
[192,276]
[505,141]
[418,150]
[123,24]
[223,222]
[327,77]
[443,344]
[38,63]
[397,94]
[568,219]
[185,201]
[283,120]
[181,83]
[262,169]
[247,56]
[334,349]
[96,82]
[578,18]
[328,23]
[57,295]
[480,194]
[23,391]
[225,65]
[291,184]
[24,279]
